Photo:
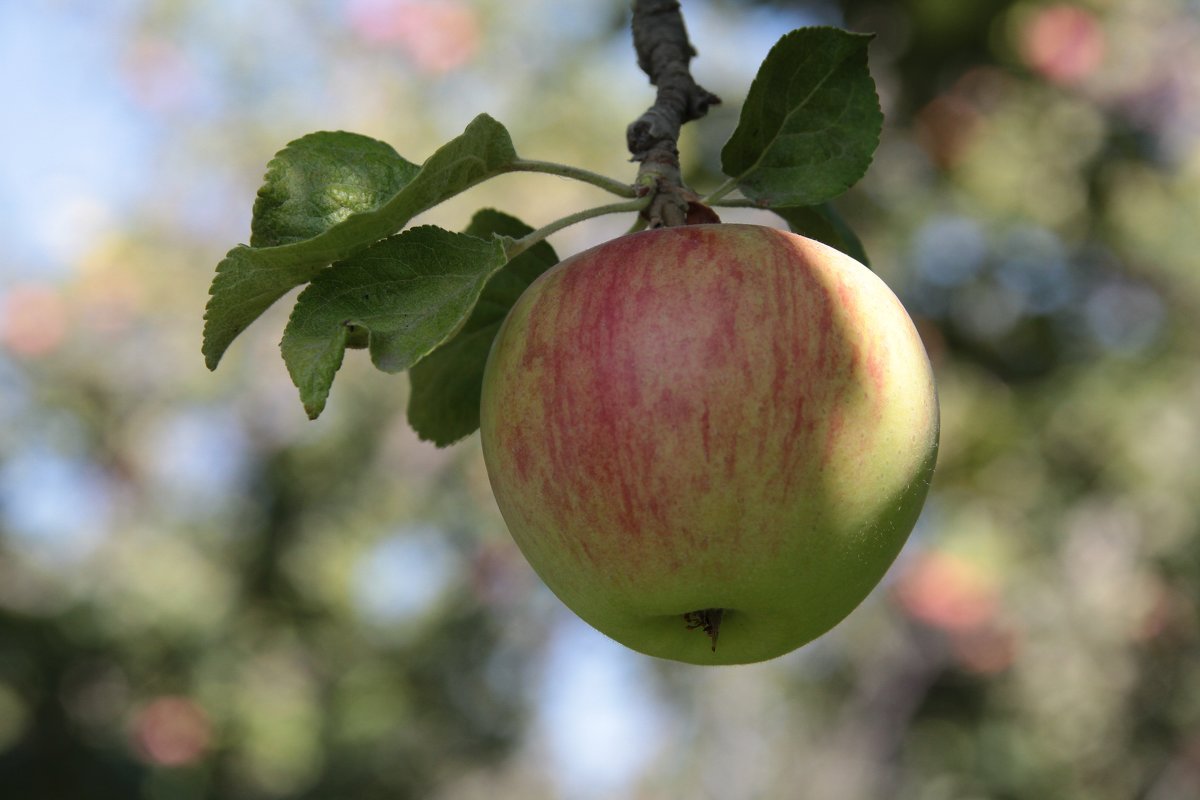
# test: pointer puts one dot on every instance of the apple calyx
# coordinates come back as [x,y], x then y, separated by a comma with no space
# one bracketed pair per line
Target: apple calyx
[707,620]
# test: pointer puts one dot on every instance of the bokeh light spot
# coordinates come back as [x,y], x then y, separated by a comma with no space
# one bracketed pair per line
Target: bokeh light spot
[436,36]
[14,716]
[56,506]
[1125,318]
[949,250]
[947,592]
[1064,43]
[173,731]
[601,725]
[33,320]
[403,577]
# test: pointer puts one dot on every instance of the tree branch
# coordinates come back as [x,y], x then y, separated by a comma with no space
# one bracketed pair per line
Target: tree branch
[663,53]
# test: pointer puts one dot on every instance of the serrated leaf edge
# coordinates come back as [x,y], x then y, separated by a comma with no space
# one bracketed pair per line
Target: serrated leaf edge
[314,407]
[213,348]
[765,203]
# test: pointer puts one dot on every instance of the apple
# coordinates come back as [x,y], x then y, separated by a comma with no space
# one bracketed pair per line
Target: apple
[711,429]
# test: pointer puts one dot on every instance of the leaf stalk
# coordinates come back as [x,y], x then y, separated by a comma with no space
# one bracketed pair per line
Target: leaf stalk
[725,188]
[576,173]
[514,247]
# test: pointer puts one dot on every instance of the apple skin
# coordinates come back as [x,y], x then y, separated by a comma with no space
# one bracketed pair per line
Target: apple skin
[709,417]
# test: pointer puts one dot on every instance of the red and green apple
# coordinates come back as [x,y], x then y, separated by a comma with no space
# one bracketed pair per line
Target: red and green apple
[711,429]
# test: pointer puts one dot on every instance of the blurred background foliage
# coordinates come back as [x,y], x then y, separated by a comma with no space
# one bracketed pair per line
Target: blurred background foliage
[204,595]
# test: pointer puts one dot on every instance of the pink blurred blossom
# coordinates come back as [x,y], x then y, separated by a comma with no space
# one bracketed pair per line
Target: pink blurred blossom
[436,35]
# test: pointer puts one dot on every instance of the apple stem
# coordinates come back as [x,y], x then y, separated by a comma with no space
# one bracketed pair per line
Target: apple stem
[707,620]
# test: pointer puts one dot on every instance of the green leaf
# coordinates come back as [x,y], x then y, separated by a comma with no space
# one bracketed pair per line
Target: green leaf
[250,279]
[321,179]
[443,406]
[823,223]
[810,123]
[409,292]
